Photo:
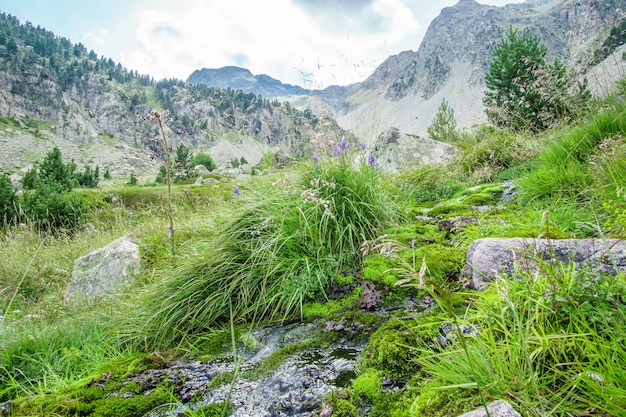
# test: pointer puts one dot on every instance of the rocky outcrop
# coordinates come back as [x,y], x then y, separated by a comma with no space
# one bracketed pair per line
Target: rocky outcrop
[496,409]
[104,271]
[491,257]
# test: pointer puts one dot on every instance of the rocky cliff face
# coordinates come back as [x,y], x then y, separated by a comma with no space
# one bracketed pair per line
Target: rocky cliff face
[406,90]
[54,93]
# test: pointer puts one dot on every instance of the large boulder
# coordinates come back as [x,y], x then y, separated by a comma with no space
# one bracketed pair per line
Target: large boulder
[104,271]
[490,257]
[498,408]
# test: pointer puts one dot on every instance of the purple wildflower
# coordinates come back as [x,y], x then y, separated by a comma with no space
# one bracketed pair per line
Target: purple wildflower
[343,145]
[371,160]
[315,158]
[237,192]
[363,146]
[337,152]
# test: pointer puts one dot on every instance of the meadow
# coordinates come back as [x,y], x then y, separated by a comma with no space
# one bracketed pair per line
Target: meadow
[552,343]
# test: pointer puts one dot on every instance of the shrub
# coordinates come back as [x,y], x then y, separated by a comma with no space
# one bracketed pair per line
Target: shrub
[524,92]
[52,209]
[443,127]
[204,160]
[8,200]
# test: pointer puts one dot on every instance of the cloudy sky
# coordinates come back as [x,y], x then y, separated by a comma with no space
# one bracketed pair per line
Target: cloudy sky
[312,43]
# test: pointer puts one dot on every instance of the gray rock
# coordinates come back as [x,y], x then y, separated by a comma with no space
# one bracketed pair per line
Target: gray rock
[498,408]
[104,271]
[490,257]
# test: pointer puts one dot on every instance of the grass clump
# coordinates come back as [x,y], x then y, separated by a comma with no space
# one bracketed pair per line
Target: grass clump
[540,339]
[274,255]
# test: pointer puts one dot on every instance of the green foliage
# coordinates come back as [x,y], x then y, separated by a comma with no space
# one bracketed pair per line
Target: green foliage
[132,180]
[183,163]
[392,348]
[488,152]
[272,257]
[570,164]
[369,385]
[89,178]
[427,184]
[48,207]
[204,159]
[52,170]
[552,315]
[28,180]
[8,200]
[443,126]
[106,175]
[524,92]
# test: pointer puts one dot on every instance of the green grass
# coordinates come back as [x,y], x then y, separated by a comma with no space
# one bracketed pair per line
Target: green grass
[278,251]
[551,343]
[539,339]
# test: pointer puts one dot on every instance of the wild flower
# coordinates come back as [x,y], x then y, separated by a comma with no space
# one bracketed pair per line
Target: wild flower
[315,158]
[363,146]
[310,195]
[343,145]
[337,152]
[163,118]
[371,160]
[237,192]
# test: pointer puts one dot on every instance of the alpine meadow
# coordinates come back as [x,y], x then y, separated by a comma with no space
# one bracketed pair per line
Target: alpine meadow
[444,238]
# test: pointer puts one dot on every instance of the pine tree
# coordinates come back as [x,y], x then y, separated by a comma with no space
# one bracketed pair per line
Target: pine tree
[443,127]
[526,93]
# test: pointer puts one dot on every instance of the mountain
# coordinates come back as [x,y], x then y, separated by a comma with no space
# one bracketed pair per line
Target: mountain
[242,79]
[406,90]
[55,93]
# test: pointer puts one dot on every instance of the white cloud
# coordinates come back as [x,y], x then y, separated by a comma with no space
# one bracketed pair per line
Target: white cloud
[280,39]
[315,44]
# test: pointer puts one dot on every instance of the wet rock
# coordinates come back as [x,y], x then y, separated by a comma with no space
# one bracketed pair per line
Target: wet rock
[455,224]
[5,408]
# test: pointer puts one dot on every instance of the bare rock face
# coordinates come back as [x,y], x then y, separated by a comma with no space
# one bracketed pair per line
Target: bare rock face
[496,409]
[104,271]
[490,257]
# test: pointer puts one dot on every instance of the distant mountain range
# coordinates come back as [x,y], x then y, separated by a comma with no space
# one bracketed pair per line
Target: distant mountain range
[239,78]
[55,93]
[405,91]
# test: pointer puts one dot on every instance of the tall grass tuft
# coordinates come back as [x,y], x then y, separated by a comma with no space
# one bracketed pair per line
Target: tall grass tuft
[284,246]
[565,167]
[37,358]
[548,342]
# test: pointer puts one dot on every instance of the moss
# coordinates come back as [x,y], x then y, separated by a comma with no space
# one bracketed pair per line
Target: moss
[393,348]
[343,407]
[93,401]
[312,311]
[427,234]
[138,405]
[272,362]
[380,269]
[449,209]
[443,263]
[433,401]
[480,199]
[369,385]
